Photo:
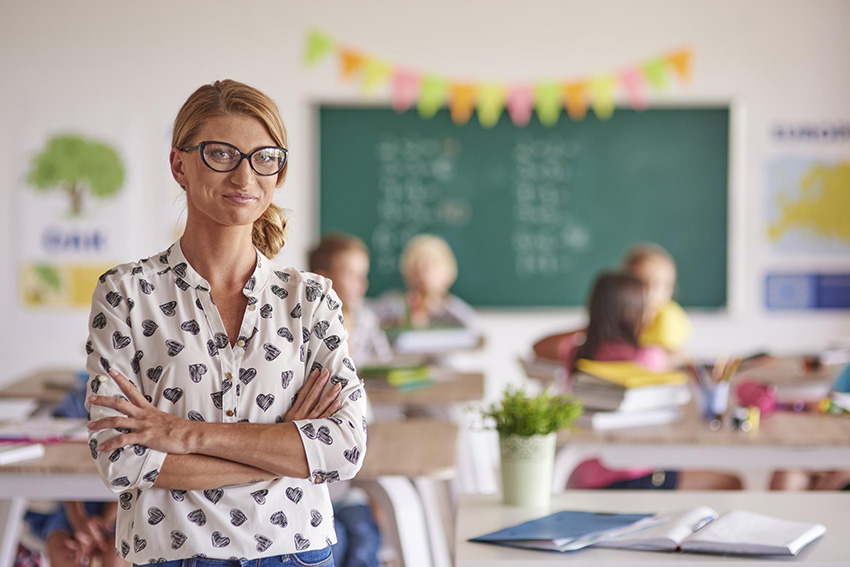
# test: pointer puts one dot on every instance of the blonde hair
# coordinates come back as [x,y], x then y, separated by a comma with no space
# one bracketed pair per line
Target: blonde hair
[331,246]
[225,98]
[640,253]
[427,244]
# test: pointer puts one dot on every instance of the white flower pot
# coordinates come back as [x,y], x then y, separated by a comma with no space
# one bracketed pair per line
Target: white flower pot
[527,464]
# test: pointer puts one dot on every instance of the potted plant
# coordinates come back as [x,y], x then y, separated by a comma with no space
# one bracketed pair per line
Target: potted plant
[527,427]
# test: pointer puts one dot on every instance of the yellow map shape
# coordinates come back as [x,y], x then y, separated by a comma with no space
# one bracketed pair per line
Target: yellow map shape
[823,205]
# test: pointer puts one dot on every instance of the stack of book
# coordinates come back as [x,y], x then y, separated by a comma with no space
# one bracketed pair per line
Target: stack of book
[402,377]
[624,394]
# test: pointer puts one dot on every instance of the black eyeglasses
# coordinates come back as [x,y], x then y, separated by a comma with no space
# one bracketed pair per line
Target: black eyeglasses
[224,157]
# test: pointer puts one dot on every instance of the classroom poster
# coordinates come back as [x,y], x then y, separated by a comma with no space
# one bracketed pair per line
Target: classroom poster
[75,215]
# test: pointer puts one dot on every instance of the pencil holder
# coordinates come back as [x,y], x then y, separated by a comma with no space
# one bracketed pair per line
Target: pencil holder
[714,399]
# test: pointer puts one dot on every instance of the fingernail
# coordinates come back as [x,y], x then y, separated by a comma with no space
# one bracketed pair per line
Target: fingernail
[113,372]
[337,388]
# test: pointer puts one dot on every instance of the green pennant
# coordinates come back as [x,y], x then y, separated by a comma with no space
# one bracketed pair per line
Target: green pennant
[432,95]
[547,103]
[656,74]
[491,103]
[318,45]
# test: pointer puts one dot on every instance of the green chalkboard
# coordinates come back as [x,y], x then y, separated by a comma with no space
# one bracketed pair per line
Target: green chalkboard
[532,213]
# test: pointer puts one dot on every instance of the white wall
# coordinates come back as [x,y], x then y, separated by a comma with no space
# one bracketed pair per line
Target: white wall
[129,66]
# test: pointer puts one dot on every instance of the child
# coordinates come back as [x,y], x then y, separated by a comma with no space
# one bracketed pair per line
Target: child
[76,532]
[668,325]
[619,310]
[345,260]
[429,269]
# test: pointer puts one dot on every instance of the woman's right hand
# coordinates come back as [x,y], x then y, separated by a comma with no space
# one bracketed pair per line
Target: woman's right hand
[309,402]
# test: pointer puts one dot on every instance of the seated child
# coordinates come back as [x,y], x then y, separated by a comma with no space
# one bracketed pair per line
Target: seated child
[668,325]
[618,314]
[77,532]
[345,260]
[429,269]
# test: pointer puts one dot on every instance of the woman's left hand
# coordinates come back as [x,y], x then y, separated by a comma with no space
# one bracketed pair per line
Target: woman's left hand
[149,426]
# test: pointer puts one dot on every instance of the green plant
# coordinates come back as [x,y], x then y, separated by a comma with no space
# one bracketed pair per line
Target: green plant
[519,414]
[77,166]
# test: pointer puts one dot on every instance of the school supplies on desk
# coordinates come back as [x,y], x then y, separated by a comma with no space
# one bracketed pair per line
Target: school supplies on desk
[563,531]
[432,340]
[627,374]
[606,420]
[702,530]
[44,430]
[401,377]
[17,409]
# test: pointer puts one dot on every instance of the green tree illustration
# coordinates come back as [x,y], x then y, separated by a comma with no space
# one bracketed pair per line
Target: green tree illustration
[77,166]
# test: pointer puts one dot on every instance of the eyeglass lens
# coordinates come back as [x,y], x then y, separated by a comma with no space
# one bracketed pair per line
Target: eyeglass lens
[223,157]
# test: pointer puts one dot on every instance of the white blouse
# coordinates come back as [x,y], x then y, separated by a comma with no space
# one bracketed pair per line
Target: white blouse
[155,322]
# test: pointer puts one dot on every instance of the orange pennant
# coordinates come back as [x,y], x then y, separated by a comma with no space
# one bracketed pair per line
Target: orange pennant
[462,101]
[575,99]
[680,61]
[352,62]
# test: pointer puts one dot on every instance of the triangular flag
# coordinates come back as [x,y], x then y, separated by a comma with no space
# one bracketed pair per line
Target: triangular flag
[462,101]
[352,62]
[548,103]
[656,74]
[491,103]
[633,83]
[375,73]
[432,96]
[575,99]
[520,104]
[318,45]
[405,89]
[602,90]
[680,61]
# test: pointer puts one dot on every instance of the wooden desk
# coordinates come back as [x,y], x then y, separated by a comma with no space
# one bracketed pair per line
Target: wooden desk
[449,387]
[480,514]
[403,461]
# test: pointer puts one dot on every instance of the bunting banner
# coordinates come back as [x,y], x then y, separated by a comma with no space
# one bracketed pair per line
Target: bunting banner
[548,98]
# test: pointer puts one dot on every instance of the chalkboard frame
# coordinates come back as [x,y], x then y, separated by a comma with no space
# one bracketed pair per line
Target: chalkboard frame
[736,201]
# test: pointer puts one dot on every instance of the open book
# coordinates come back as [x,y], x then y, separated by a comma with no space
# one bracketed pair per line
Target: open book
[701,530]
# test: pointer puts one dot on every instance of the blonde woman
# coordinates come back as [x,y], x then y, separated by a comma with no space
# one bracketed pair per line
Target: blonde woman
[222,396]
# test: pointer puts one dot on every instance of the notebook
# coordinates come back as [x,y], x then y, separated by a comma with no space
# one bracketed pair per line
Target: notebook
[563,531]
[628,374]
[737,533]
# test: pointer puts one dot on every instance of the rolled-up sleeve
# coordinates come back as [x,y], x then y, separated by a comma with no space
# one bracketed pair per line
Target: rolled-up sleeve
[335,446]
[111,345]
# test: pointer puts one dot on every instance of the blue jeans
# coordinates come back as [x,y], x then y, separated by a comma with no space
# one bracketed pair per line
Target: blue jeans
[312,558]
[357,536]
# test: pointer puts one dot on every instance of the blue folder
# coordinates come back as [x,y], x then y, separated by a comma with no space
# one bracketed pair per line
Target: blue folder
[566,526]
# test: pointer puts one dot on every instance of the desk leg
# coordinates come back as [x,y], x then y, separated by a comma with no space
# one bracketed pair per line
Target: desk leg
[11,520]
[436,506]
[397,495]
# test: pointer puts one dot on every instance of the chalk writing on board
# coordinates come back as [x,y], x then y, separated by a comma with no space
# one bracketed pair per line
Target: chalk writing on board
[413,175]
[545,232]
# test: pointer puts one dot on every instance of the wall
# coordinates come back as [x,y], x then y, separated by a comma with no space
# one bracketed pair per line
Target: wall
[126,67]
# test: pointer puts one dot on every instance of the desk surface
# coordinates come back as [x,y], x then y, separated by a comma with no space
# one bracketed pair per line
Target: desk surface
[428,448]
[449,387]
[480,514]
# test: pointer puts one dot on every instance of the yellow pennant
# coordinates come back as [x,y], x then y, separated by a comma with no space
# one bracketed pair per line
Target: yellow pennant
[375,73]
[602,90]
[432,95]
[491,103]
[548,103]
[655,72]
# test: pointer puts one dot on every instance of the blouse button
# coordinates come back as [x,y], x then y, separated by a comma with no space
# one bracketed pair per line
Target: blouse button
[252,307]
[240,343]
[229,376]
[229,413]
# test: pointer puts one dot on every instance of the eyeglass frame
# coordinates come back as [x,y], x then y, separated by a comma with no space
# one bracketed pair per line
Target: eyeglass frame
[242,155]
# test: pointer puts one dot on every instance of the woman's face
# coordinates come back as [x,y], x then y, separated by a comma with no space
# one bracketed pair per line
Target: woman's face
[234,198]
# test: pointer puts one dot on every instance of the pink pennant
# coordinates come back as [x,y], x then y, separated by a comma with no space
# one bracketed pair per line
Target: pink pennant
[520,104]
[405,89]
[634,84]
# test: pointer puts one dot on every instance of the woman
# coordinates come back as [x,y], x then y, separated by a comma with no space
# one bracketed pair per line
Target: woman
[230,399]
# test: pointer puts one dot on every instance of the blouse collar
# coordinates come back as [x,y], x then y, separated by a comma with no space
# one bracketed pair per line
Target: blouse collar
[186,276]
